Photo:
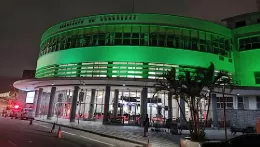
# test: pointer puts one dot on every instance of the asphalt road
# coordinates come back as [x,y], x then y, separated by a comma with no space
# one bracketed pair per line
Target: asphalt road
[18,133]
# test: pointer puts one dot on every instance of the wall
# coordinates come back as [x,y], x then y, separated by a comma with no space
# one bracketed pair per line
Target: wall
[241,118]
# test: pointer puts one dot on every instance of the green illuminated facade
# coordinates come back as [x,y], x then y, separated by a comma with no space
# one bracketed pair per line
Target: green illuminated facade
[145,45]
[111,62]
[133,46]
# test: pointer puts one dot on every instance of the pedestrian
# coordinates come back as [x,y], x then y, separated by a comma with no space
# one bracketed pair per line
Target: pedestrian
[146,125]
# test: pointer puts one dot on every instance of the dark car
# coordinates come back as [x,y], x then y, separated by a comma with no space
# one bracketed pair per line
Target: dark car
[252,140]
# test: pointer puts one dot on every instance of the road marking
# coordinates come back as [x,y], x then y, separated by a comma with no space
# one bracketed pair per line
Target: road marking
[97,141]
[12,143]
[68,133]
[42,126]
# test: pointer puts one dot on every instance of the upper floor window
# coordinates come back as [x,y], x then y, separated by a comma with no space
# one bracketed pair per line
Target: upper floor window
[240,24]
[249,43]
[140,35]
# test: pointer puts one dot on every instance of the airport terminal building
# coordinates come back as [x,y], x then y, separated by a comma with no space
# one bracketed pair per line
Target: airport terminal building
[97,66]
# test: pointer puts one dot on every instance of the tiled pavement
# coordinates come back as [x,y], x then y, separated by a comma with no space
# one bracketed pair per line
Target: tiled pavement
[160,139]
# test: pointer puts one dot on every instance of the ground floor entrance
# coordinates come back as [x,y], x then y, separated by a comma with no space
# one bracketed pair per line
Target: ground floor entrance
[126,105]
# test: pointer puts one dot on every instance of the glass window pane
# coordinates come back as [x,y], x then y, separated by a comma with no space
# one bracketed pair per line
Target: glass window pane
[240,99]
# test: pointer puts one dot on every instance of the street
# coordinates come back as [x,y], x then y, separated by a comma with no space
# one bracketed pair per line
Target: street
[18,133]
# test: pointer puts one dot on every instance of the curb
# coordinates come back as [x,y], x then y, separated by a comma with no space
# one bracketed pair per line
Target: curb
[96,133]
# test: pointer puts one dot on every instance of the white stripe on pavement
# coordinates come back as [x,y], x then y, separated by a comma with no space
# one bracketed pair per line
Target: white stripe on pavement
[41,125]
[97,141]
[68,133]
[12,143]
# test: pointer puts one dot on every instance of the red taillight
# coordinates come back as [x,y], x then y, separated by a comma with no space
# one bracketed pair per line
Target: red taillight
[16,106]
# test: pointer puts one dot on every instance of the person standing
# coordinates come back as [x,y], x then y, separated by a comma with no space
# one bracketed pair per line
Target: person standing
[146,125]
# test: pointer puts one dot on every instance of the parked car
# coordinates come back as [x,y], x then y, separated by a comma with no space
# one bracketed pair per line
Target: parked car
[252,140]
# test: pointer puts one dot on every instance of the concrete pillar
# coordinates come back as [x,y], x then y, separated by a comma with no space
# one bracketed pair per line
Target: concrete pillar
[91,104]
[182,108]
[170,106]
[35,100]
[38,105]
[143,104]
[214,110]
[74,104]
[115,105]
[106,105]
[51,103]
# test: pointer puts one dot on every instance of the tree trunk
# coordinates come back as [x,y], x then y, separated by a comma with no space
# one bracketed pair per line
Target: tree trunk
[182,113]
[207,113]
[195,123]
[224,101]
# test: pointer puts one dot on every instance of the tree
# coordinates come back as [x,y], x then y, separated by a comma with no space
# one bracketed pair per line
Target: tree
[191,84]
[225,83]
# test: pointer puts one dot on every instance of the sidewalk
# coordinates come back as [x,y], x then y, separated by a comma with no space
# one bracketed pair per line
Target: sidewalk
[134,133]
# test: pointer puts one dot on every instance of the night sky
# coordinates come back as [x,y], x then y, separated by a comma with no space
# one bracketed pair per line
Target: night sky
[23,22]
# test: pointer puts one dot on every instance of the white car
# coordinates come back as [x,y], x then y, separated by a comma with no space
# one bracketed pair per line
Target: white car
[26,113]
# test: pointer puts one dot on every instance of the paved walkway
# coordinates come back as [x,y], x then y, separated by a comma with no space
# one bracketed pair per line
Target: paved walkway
[135,133]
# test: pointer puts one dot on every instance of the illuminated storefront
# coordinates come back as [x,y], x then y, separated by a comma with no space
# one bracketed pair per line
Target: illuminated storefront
[102,66]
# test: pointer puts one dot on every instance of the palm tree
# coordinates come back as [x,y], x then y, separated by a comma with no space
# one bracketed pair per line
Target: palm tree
[172,85]
[225,83]
[192,84]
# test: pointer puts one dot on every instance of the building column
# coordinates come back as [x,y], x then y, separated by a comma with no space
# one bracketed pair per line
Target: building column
[74,104]
[170,105]
[51,103]
[38,105]
[115,105]
[106,105]
[91,104]
[214,110]
[35,100]
[143,105]
[182,108]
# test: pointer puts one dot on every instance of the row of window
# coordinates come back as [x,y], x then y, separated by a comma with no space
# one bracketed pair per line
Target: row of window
[139,36]
[249,43]
[242,102]
[106,69]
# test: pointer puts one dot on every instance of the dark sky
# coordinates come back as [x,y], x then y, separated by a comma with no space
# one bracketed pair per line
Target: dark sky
[23,21]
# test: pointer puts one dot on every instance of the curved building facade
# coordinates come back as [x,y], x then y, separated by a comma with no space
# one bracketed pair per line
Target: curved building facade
[132,45]
[113,60]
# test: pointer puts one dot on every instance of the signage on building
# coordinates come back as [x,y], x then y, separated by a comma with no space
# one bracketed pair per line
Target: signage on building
[6,94]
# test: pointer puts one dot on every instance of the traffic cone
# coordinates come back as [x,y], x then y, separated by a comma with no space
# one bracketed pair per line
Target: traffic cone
[31,122]
[53,128]
[59,133]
